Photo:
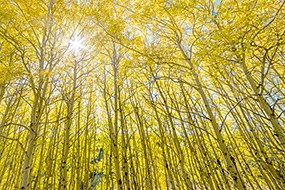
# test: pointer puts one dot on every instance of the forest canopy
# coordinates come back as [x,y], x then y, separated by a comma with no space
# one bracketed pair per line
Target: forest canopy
[142,94]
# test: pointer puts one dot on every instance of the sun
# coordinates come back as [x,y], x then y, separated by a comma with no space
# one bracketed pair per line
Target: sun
[76,45]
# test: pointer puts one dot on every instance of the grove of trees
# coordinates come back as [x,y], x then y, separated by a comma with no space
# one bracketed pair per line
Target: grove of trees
[142,94]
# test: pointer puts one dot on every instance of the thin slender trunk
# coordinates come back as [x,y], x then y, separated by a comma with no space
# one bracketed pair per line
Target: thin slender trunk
[278,131]
[67,129]
[229,159]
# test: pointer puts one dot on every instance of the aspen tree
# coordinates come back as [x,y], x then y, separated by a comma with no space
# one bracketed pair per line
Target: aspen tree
[228,157]
[70,102]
